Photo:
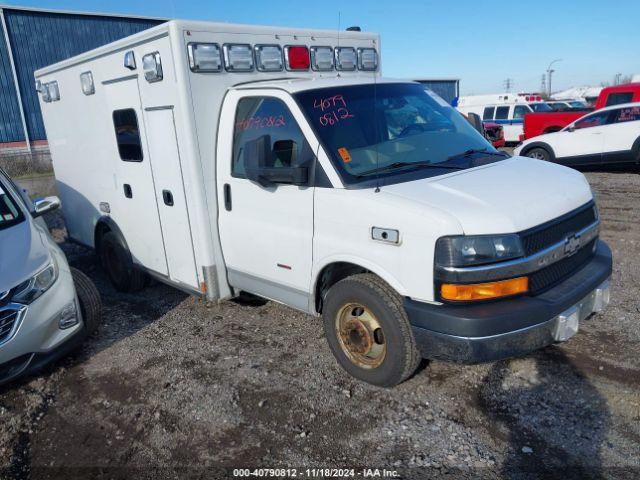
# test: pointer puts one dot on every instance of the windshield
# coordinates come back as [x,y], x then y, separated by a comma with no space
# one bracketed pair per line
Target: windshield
[407,129]
[540,107]
[10,213]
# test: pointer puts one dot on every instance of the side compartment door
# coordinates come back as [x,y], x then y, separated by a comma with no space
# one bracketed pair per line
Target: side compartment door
[266,228]
[135,209]
[170,195]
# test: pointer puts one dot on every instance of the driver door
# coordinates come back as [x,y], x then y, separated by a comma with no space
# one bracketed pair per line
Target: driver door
[266,226]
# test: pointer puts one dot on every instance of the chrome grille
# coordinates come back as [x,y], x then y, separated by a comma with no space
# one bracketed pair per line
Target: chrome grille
[10,318]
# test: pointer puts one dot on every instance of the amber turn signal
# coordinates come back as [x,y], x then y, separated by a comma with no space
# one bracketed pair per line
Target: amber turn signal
[484,291]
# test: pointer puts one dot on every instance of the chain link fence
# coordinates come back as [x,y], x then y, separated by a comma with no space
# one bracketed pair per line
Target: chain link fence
[24,164]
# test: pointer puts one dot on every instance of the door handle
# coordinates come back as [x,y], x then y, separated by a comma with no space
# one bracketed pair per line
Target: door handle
[127,190]
[167,196]
[227,197]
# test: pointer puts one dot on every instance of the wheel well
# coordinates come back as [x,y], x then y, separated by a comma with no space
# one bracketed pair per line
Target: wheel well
[541,145]
[636,149]
[332,274]
[101,229]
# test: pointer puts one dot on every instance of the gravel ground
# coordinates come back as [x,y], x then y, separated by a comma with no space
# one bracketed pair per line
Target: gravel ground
[170,387]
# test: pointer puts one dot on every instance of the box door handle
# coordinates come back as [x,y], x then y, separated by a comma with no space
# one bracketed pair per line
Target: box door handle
[167,196]
[227,197]
[127,190]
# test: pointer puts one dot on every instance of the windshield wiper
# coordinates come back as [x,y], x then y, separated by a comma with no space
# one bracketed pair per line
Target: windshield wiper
[397,165]
[472,151]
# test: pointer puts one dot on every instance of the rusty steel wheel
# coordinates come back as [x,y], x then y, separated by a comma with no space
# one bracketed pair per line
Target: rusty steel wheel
[361,336]
[368,331]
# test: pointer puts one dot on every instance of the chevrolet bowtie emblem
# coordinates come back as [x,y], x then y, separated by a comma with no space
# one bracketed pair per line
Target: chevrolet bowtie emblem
[571,245]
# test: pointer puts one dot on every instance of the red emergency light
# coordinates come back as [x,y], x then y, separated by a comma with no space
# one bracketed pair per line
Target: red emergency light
[296,57]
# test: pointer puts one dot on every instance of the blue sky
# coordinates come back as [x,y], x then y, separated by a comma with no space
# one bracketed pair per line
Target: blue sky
[480,42]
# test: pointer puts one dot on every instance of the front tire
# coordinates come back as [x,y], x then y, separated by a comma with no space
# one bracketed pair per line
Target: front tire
[539,153]
[116,260]
[89,299]
[368,330]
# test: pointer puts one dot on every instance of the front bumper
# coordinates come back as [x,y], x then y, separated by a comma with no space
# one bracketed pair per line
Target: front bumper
[490,331]
[38,339]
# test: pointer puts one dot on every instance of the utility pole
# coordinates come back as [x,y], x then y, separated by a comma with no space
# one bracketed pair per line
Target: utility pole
[543,83]
[508,84]
[550,72]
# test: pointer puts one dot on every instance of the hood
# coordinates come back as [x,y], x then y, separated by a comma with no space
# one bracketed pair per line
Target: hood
[23,251]
[502,197]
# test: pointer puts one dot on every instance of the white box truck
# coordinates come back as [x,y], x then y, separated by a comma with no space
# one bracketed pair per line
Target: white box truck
[226,158]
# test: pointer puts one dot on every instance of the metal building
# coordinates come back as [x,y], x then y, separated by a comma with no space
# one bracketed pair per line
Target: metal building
[447,88]
[33,38]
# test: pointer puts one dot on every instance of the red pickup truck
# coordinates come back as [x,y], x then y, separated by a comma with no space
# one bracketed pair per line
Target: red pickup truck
[539,123]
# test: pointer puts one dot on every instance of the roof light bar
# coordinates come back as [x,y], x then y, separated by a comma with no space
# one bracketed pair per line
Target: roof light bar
[367,59]
[296,57]
[321,58]
[238,57]
[346,58]
[204,57]
[268,58]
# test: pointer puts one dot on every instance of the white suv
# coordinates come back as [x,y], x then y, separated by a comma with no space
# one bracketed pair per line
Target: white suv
[609,135]
[42,315]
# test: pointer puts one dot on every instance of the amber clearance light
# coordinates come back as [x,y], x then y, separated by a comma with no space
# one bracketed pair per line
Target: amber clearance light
[484,291]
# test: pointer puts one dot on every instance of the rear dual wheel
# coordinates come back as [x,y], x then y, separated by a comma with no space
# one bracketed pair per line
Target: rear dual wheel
[368,330]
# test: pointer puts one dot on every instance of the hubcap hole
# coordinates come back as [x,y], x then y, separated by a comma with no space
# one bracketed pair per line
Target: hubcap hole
[378,336]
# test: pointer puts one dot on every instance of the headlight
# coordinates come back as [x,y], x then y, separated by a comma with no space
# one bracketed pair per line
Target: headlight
[31,289]
[468,250]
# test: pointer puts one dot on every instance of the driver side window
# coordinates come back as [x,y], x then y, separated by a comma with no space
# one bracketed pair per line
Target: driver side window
[269,119]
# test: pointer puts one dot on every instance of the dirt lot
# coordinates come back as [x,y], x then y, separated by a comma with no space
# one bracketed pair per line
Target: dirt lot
[170,388]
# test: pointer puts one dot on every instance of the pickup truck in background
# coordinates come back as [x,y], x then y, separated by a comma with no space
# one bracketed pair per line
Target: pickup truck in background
[548,122]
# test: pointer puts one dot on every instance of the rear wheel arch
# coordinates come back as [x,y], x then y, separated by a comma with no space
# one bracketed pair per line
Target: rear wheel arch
[115,257]
[107,224]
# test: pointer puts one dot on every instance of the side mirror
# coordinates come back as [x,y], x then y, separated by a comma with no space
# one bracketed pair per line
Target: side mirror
[255,156]
[45,205]
[287,175]
[260,162]
[476,122]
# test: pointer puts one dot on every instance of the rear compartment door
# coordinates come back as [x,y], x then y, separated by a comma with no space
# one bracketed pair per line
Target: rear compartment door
[170,194]
[134,207]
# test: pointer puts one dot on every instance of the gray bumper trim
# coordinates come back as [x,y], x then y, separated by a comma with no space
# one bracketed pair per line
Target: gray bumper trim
[438,345]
